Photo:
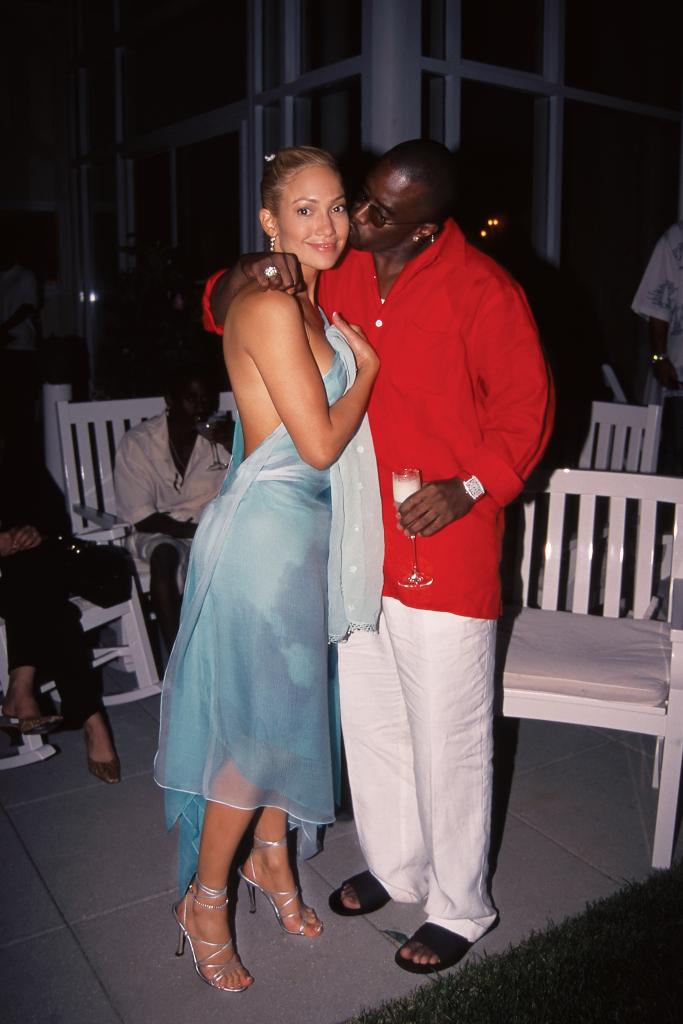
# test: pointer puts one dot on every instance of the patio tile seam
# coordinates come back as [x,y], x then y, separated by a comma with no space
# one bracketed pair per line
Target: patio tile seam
[33,935]
[565,757]
[618,879]
[85,918]
[12,804]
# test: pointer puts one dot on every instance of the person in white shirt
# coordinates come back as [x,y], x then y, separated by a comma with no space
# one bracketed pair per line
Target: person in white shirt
[659,300]
[163,479]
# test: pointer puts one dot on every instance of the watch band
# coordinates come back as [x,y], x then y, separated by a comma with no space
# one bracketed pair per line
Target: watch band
[474,488]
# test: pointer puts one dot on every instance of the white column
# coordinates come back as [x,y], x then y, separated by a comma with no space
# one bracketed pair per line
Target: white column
[392,86]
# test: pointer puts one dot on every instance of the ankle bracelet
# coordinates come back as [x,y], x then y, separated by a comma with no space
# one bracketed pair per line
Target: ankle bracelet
[262,843]
[214,894]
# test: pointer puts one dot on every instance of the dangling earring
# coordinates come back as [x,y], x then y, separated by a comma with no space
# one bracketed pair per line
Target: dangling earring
[416,238]
[272,242]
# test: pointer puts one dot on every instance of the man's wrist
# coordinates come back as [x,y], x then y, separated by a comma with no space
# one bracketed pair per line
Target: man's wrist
[474,488]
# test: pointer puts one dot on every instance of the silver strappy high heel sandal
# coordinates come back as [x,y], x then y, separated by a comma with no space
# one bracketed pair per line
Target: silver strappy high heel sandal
[286,898]
[218,969]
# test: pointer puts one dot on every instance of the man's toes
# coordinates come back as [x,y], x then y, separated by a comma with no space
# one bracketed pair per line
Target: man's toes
[418,953]
[350,898]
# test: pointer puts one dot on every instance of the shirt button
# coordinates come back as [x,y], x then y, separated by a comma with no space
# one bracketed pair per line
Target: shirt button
[353,568]
[360,449]
[378,323]
[356,528]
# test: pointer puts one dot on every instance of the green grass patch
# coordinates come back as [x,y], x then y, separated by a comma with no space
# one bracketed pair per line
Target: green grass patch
[620,961]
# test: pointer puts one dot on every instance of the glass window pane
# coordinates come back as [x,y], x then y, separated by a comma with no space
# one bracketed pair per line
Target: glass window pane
[612,219]
[102,190]
[504,33]
[272,136]
[183,66]
[433,107]
[102,100]
[434,29]
[330,31]
[496,162]
[152,201]
[98,23]
[330,118]
[620,49]
[272,43]
[208,205]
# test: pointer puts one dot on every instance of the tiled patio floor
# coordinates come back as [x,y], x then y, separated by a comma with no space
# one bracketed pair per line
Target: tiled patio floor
[87,935]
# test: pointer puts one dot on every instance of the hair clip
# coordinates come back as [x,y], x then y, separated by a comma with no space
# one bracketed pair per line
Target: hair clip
[269,157]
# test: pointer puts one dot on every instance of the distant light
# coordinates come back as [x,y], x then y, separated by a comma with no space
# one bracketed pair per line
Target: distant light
[483,233]
[81,296]
[490,222]
[495,222]
[92,297]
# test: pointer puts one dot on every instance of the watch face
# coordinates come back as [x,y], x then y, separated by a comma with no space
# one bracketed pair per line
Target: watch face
[473,488]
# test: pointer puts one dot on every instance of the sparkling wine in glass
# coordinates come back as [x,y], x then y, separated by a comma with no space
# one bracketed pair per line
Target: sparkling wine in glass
[210,428]
[406,482]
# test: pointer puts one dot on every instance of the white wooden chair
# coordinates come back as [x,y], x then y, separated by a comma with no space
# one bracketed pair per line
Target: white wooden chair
[591,654]
[622,438]
[612,381]
[90,433]
[30,748]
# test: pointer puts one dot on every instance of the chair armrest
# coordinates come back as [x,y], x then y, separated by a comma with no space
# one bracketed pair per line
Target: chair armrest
[676,617]
[107,526]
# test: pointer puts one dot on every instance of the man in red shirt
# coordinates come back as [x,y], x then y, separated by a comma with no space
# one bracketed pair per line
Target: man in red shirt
[464,395]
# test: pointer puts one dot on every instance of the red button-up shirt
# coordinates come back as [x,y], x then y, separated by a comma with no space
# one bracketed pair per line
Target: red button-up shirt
[463,389]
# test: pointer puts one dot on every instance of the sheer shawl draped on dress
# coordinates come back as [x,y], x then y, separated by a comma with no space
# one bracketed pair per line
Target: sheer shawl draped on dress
[245,707]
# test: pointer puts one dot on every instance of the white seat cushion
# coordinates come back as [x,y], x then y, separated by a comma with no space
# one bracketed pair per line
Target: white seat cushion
[623,660]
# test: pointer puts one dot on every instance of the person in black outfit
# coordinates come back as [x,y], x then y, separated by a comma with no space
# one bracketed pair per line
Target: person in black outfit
[43,629]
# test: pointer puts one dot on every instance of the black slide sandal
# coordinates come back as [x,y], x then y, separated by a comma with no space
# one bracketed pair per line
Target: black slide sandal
[448,946]
[370,892]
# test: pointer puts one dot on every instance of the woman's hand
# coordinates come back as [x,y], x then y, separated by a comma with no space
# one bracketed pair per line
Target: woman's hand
[365,355]
[19,538]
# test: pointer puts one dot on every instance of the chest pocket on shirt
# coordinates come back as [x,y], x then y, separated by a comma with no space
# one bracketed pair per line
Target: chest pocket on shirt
[429,355]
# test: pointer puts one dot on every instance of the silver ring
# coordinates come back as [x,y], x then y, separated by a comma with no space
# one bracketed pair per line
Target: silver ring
[271,271]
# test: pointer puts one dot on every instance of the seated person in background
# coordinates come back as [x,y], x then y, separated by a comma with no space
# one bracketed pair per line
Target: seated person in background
[163,479]
[42,625]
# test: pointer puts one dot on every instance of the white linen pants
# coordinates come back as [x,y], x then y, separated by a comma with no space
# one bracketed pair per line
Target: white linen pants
[417,718]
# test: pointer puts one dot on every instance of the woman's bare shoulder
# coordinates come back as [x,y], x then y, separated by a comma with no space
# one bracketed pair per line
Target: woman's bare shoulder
[253,303]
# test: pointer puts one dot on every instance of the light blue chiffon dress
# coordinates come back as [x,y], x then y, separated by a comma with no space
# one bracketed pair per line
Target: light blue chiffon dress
[245,708]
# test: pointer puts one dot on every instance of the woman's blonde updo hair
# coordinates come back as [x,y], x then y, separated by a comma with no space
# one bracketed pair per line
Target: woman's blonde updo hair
[281,168]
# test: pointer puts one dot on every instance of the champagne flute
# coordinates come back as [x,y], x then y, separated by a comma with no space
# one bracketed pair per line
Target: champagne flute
[208,428]
[405,482]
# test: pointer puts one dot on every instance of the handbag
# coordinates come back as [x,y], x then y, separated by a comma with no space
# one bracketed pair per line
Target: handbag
[101,573]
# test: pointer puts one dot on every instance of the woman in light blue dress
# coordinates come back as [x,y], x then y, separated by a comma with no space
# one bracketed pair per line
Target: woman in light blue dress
[289,553]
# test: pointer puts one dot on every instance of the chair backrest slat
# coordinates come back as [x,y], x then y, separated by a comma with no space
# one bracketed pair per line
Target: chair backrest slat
[644,557]
[614,564]
[584,554]
[553,551]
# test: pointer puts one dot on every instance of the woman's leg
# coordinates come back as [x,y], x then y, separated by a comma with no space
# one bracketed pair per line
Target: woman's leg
[271,868]
[20,698]
[221,833]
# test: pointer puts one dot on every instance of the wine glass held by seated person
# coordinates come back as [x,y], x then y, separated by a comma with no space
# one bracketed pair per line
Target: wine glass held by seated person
[217,429]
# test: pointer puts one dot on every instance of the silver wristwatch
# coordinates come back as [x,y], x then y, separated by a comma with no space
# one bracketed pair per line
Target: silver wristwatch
[474,487]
